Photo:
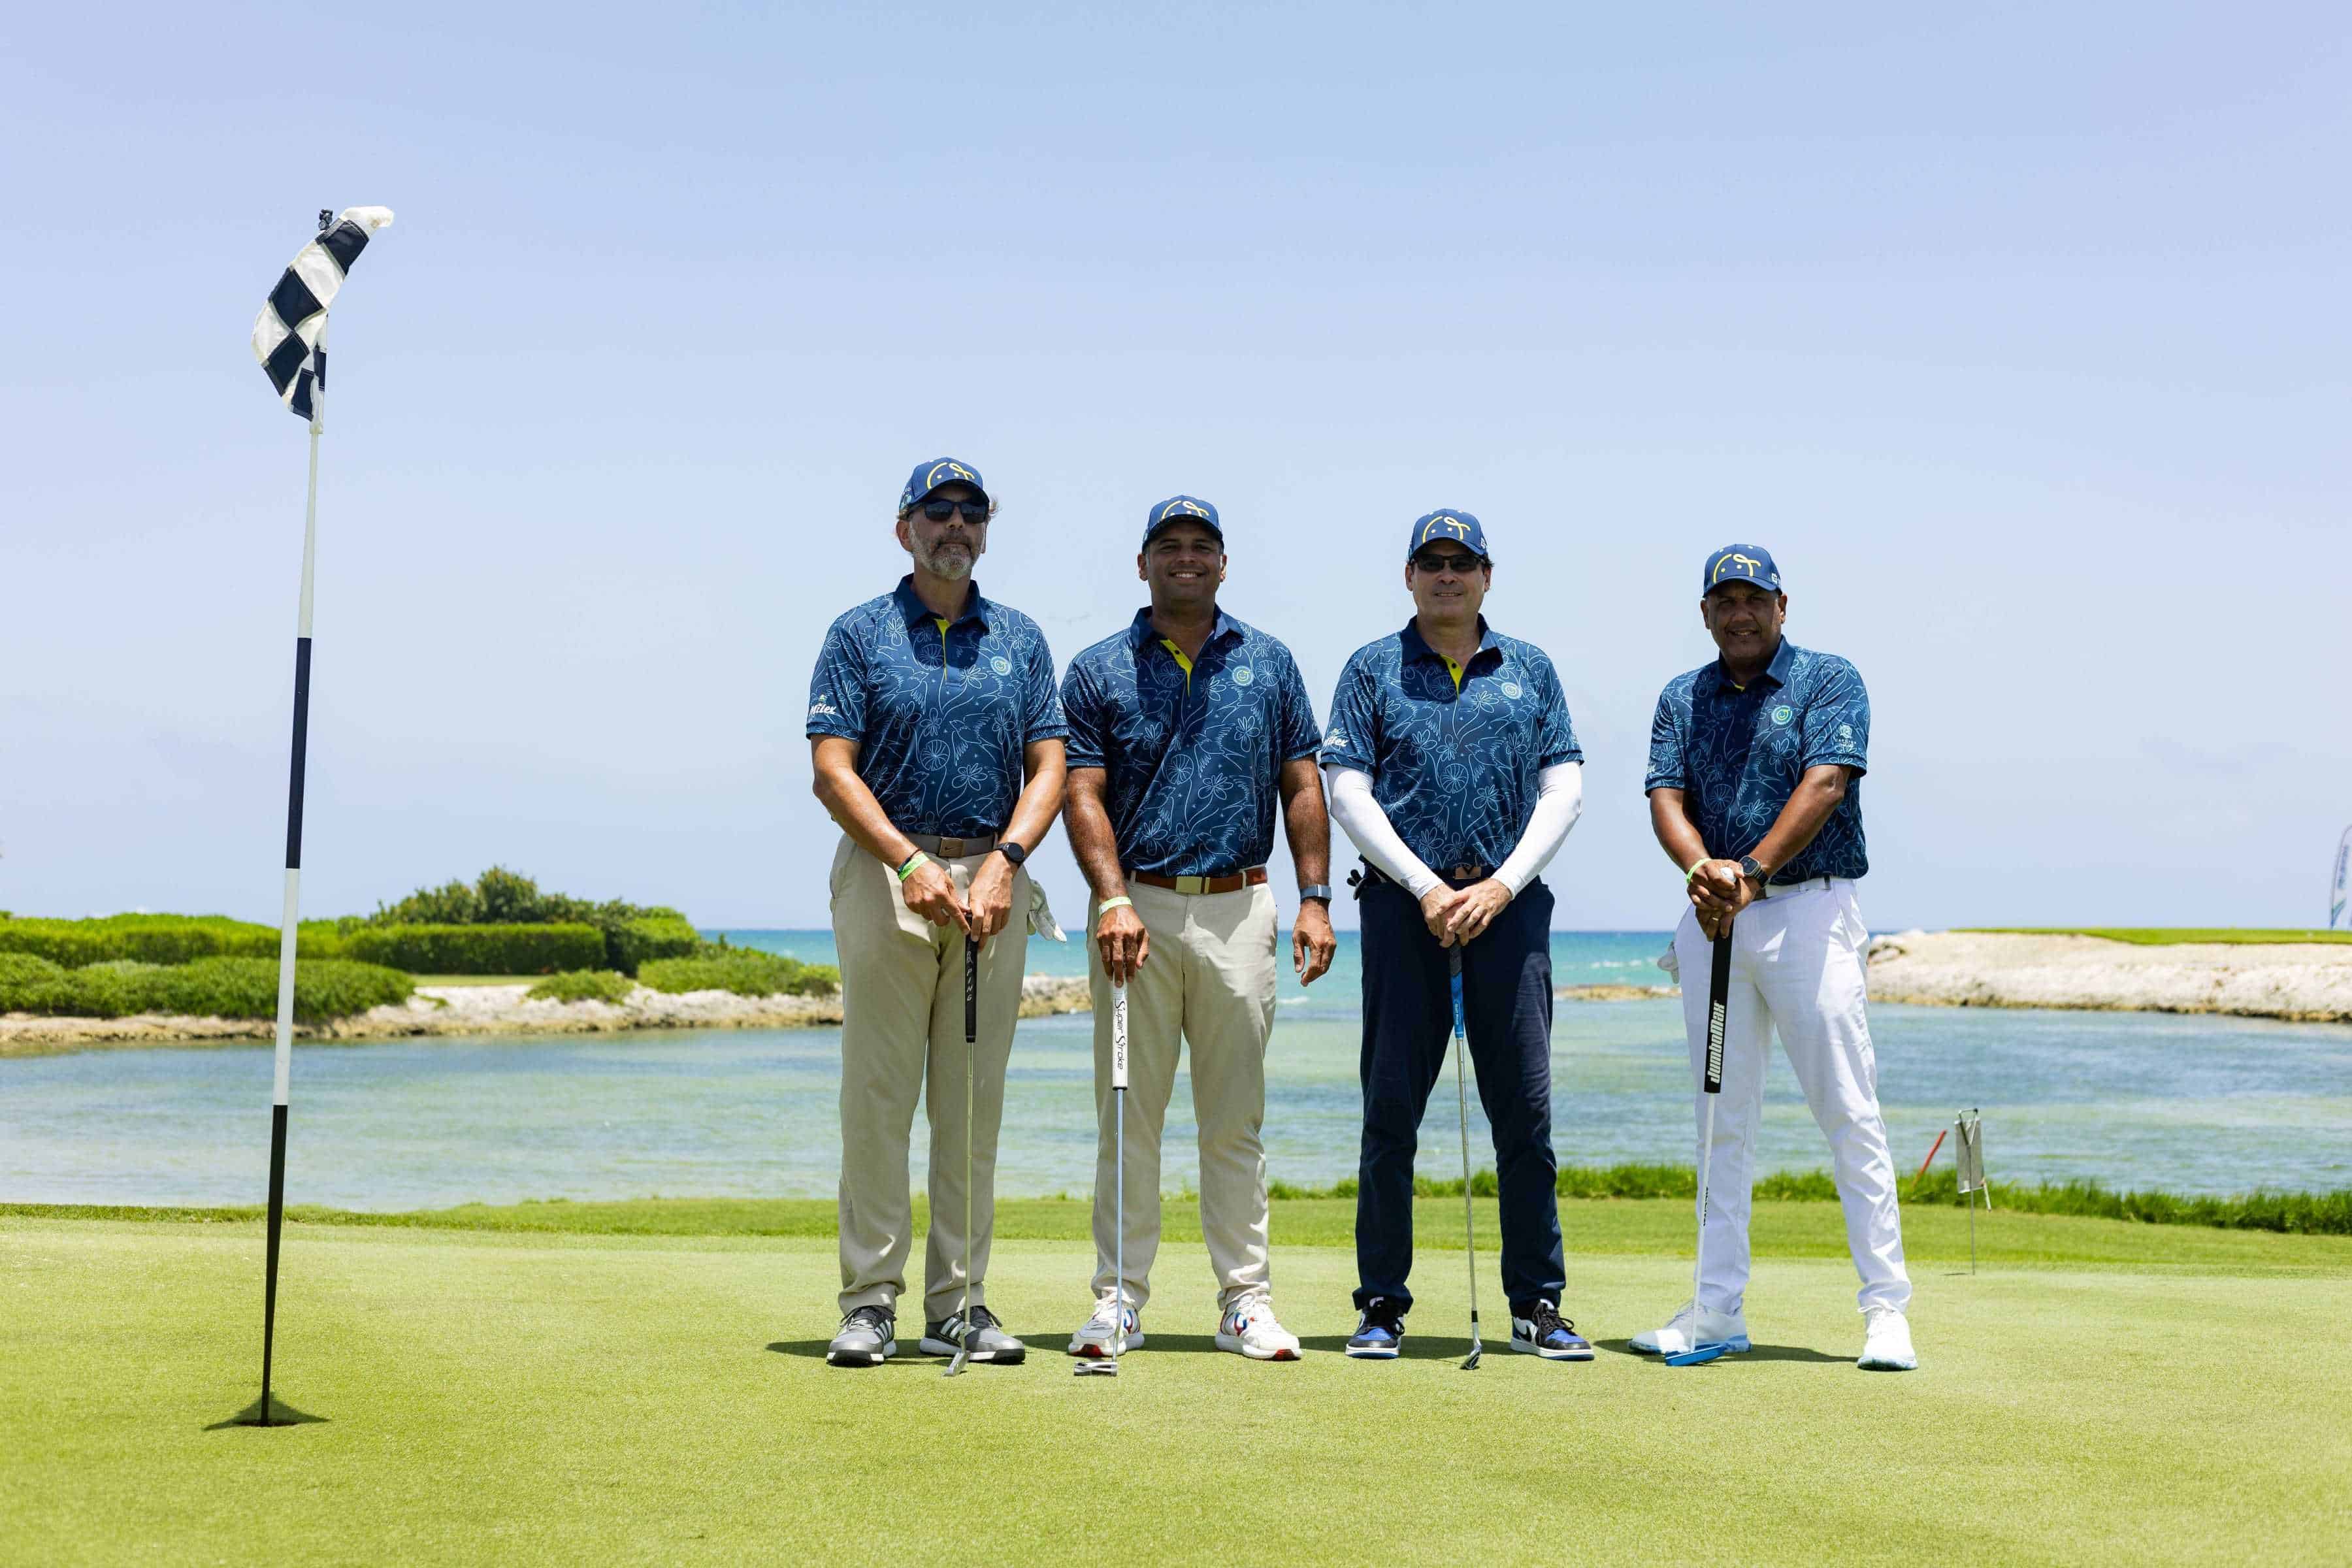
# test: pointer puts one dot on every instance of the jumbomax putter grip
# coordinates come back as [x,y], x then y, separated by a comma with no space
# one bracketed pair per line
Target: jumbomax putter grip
[971,1048]
[1718,1009]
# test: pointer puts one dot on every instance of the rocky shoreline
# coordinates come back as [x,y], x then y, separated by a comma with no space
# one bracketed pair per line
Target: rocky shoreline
[2295,983]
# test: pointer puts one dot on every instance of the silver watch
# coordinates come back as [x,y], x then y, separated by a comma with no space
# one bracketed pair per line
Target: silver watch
[1319,890]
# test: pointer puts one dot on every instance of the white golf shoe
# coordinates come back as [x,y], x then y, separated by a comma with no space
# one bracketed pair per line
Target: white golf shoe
[1248,1328]
[1886,1343]
[1728,1329]
[1094,1340]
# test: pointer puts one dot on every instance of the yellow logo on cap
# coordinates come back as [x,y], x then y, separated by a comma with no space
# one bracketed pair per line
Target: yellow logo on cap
[1460,530]
[1746,562]
[1168,511]
[934,481]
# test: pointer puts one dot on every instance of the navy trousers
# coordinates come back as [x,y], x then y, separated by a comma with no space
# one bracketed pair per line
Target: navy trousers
[1408,1033]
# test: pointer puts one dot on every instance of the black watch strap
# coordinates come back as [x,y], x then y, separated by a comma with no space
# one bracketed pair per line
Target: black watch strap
[1012,852]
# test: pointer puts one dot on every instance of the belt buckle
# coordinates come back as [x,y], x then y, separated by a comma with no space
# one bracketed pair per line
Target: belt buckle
[951,847]
[1194,885]
[1464,873]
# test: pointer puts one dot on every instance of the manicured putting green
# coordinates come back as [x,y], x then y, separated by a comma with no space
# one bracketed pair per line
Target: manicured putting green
[502,1396]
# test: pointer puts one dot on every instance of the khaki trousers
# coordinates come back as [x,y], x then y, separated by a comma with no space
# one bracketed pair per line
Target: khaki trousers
[902,1036]
[1209,980]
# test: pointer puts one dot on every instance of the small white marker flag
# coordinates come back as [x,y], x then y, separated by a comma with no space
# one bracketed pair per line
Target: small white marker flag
[287,336]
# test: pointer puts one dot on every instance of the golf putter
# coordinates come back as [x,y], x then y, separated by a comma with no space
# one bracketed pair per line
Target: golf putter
[1108,1367]
[962,1357]
[1718,1009]
[1462,1105]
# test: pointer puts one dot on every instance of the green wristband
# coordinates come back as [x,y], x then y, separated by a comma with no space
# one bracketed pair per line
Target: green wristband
[914,862]
[1692,872]
[1120,903]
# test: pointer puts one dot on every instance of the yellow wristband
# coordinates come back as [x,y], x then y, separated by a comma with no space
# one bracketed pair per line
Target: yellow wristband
[914,862]
[1120,903]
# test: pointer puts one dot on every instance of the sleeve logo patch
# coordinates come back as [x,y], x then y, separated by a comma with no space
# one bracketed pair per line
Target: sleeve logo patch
[1845,732]
[821,708]
[1783,713]
[1336,740]
[1244,675]
[1002,665]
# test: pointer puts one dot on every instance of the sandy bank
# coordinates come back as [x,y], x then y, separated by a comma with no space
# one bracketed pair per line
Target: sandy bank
[2305,984]
[488,1010]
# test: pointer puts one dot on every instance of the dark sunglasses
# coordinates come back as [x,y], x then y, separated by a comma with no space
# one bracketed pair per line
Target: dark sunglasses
[1451,561]
[941,511]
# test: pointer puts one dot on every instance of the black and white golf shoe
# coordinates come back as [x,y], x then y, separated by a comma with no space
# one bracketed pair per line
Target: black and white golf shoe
[988,1341]
[1541,1331]
[868,1337]
[1380,1331]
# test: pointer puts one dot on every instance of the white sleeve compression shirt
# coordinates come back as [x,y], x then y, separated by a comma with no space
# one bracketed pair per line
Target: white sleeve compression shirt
[1560,801]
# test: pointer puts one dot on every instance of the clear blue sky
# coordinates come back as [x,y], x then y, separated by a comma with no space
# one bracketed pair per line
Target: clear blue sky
[2019,335]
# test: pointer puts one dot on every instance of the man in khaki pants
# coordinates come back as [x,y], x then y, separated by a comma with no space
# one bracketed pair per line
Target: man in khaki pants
[937,742]
[1185,729]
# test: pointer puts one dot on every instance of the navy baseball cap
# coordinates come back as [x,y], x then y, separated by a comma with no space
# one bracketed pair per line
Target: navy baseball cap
[928,476]
[1741,564]
[1457,526]
[1182,509]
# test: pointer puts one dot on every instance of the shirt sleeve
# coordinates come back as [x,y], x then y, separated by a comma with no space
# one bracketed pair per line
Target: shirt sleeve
[1837,721]
[1556,733]
[837,687]
[1353,739]
[1082,709]
[1297,735]
[1666,761]
[1042,718]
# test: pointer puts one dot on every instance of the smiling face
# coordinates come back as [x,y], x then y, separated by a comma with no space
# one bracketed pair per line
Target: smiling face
[946,548]
[1745,621]
[1186,563]
[1448,583]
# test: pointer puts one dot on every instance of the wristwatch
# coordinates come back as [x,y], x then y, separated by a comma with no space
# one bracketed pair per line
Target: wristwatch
[1316,891]
[1751,870]
[1014,854]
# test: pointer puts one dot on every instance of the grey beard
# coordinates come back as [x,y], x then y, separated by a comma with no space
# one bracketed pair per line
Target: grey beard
[953,564]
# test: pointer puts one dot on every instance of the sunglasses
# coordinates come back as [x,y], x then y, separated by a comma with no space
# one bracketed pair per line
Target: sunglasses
[941,511]
[1451,561]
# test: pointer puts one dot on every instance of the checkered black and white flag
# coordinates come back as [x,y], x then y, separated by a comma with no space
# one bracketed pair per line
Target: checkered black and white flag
[289,335]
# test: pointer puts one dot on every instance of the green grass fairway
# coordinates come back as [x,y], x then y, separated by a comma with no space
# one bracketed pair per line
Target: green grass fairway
[2169,936]
[575,1393]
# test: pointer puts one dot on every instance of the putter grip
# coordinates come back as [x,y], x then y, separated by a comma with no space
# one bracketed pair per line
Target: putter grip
[1119,1036]
[970,991]
[1718,1009]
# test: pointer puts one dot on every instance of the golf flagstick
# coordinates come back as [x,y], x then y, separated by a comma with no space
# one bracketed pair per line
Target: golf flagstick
[289,339]
[1462,1105]
[971,1048]
[1108,1367]
[1718,1009]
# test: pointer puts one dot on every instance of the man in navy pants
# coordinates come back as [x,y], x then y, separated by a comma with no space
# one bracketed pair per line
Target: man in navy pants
[1454,768]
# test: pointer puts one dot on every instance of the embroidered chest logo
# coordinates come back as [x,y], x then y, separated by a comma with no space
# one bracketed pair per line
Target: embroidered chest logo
[1783,713]
[1002,665]
[1512,689]
[1244,675]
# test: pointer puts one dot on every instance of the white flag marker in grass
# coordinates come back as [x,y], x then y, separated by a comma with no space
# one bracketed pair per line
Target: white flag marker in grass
[289,339]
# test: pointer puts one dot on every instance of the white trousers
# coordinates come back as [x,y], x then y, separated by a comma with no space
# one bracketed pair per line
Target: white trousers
[1796,969]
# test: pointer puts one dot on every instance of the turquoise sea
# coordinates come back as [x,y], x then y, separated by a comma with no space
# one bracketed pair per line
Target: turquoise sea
[2192,1104]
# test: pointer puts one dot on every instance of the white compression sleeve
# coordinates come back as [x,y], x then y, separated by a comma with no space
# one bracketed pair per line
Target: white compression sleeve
[1368,828]
[1558,806]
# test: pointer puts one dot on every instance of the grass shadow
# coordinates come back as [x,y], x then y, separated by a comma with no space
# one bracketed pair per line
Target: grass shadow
[1417,1347]
[1788,1352]
[281,1415]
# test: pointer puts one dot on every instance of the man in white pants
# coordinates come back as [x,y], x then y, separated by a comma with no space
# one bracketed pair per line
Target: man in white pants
[1754,784]
[1187,728]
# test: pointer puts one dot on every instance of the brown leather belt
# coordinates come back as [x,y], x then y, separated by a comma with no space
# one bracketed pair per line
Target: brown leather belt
[1252,878]
[1450,873]
[953,849]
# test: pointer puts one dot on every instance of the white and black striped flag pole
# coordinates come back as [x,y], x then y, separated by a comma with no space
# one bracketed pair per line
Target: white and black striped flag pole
[289,339]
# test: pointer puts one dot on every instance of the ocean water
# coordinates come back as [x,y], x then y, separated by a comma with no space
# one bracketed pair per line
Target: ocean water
[2193,1104]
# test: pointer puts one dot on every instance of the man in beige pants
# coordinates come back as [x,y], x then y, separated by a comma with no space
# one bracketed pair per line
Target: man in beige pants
[1184,731]
[938,744]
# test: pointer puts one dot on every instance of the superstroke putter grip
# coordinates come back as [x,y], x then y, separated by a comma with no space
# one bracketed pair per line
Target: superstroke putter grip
[1119,1036]
[1718,1009]
[970,991]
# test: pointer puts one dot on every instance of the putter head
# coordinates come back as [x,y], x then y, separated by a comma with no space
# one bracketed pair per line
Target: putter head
[1106,1367]
[1699,1356]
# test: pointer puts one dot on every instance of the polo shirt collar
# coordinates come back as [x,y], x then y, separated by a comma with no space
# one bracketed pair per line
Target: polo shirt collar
[1776,672]
[911,606]
[1140,633]
[1417,646]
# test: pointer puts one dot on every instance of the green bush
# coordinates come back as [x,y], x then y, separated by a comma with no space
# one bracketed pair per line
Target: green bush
[631,943]
[632,933]
[478,949]
[161,939]
[203,987]
[583,985]
[742,970]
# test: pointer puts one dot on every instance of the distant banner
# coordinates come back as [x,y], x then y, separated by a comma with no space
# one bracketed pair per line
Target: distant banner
[2339,889]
